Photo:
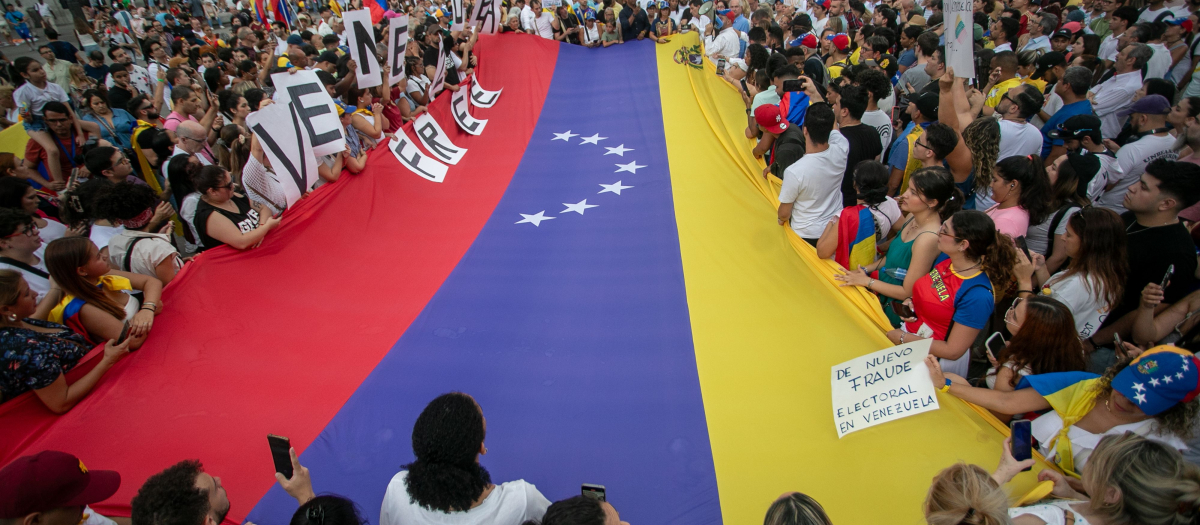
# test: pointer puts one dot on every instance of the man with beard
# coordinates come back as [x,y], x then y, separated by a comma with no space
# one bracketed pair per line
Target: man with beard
[182,494]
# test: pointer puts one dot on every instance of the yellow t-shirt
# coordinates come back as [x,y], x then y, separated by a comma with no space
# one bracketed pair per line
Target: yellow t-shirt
[998,91]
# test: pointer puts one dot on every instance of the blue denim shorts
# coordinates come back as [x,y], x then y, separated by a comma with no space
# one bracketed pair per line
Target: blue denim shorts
[37,124]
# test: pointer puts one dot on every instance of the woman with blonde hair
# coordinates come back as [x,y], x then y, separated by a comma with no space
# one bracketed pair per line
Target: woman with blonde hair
[80,83]
[965,494]
[1130,479]
[9,105]
[795,508]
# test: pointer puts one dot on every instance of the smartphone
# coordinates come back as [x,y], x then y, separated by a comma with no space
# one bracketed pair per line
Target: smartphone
[994,344]
[280,453]
[1118,347]
[1167,278]
[903,310]
[720,66]
[593,491]
[1023,246]
[793,85]
[124,333]
[1022,440]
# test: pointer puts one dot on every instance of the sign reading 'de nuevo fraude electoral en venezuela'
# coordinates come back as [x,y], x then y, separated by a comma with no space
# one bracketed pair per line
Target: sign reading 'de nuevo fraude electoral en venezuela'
[882,386]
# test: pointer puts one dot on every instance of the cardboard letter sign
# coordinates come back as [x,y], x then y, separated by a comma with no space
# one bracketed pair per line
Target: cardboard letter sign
[411,157]
[311,103]
[285,142]
[361,39]
[884,386]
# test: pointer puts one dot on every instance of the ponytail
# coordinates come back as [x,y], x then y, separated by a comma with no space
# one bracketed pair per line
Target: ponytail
[993,250]
[1035,184]
[936,183]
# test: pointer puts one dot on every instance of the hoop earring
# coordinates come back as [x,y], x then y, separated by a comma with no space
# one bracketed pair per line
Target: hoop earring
[12,318]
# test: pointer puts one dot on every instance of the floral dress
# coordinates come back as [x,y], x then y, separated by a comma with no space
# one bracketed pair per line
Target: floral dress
[32,360]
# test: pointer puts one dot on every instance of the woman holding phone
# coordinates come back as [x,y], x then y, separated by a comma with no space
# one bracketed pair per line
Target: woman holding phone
[1131,396]
[930,199]
[1043,341]
[96,300]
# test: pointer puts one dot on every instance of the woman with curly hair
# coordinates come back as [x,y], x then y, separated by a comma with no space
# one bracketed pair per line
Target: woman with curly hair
[973,158]
[1153,396]
[955,300]
[446,483]
[1130,479]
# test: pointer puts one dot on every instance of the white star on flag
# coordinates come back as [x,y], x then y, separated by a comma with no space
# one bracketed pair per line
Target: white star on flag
[632,167]
[1140,398]
[619,150]
[534,219]
[1167,380]
[1139,387]
[578,207]
[1153,381]
[594,139]
[613,188]
[1179,376]
[1184,365]
[565,136]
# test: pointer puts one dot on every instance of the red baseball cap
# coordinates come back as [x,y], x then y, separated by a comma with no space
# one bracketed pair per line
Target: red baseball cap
[50,480]
[809,41]
[841,42]
[767,116]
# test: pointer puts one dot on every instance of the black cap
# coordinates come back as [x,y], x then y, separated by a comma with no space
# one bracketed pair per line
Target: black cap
[927,104]
[328,56]
[1051,59]
[1077,127]
[1063,33]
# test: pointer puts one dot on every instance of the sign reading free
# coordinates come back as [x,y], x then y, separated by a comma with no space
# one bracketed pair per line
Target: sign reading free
[882,386]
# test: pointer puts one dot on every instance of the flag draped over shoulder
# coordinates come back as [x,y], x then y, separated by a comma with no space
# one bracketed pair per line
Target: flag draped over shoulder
[856,237]
[1072,395]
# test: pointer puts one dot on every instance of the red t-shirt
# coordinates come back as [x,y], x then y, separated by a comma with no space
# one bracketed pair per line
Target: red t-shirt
[67,149]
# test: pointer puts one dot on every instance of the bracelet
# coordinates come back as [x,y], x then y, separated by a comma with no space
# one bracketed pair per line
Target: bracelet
[902,337]
[1031,292]
[870,283]
[945,388]
[149,306]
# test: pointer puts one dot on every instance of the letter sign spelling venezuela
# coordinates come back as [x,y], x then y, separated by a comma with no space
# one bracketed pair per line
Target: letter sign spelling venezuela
[883,386]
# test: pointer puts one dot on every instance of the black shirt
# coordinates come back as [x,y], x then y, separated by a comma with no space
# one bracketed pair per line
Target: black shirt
[640,24]
[787,149]
[1150,251]
[246,219]
[430,58]
[864,145]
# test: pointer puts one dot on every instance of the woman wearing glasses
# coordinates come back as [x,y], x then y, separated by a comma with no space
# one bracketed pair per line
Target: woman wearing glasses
[1043,341]
[21,250]
[954,301]
[226,217]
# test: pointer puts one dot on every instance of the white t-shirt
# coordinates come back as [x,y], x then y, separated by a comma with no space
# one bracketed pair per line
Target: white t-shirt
[1052,512]
[53,230]
[40,285]
[187,211]
[1046,427]
[34,97]
[883,124]
[1160,61]
[1108,48]
[1052,105]
[509,503]
[1019,139]
[1132,159]
[811,184]
[1085,300]
[1110,171]
[1151,15]
[102,234]
[147,254]
[1038,237]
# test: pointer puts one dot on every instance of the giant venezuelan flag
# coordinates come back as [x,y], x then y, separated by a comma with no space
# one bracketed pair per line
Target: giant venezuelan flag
[602,271]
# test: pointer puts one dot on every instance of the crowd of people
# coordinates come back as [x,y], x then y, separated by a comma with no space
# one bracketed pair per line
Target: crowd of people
[1049,203]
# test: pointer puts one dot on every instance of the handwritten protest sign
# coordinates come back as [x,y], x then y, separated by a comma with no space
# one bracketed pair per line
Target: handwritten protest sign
[960,37]
[883,386]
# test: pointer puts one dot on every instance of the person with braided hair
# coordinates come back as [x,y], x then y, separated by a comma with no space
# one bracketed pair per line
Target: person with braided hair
[446,483]
[954,301]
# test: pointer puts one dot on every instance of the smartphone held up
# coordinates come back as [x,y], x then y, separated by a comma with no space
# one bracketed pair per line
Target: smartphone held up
[281,454]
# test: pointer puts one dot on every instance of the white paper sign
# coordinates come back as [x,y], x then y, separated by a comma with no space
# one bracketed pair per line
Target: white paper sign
[458,15]
[439,74]
[482,98]
[311,103]
[960,37]
[397,43]
[486,16]
[460,107]
[284,140]
[411,157]
[361,39]
[883,386]
[430,133]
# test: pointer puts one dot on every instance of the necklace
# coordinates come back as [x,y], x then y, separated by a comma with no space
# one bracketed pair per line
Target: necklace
[964,270]
[1144,228]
